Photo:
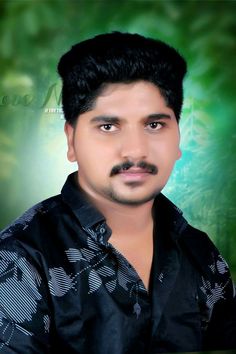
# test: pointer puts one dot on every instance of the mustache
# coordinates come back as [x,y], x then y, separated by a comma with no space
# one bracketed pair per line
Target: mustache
[152,169]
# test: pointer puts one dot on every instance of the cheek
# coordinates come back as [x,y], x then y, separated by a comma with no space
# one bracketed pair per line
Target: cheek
[94,158]
[165,153]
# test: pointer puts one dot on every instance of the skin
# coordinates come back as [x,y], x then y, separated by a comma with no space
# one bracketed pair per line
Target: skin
[127,123]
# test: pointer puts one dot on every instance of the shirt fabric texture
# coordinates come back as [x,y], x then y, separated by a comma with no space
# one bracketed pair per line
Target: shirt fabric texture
[65,288]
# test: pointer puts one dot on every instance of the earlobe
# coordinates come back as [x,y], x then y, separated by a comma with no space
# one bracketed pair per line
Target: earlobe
[69,131]
[179,154]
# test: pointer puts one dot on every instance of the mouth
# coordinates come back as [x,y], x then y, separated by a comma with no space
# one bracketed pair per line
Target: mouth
[129,169]
[134,171]
[134,174]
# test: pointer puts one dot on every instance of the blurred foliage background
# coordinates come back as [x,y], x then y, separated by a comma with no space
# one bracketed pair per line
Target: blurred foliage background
[35,33]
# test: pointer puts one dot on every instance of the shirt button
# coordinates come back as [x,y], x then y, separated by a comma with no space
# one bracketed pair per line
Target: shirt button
[102,230]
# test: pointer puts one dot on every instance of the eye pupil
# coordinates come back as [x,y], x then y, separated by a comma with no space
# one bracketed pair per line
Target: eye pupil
[154,124]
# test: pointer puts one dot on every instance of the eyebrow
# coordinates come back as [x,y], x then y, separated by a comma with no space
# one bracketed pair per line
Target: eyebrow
[115,120]
[159,116]
[105,119]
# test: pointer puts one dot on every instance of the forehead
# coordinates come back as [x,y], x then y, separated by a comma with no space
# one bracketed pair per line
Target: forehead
[140,95]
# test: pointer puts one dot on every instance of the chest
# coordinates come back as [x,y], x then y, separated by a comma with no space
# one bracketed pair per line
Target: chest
[139,255]
[172,306]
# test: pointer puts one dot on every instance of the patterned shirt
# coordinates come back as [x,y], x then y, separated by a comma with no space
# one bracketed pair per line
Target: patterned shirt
[65,288]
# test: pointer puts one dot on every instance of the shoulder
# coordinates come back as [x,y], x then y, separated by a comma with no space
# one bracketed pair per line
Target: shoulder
[30,216]
[25,313]
[215,281]
[203,251]
[198,244]
[198,248]
[32,226]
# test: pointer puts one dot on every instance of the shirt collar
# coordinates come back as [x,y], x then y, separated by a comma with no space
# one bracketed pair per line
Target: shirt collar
[75,198]
[91,219]
[170,215]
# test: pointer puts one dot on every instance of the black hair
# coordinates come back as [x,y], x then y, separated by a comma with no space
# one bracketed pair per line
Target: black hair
[119,58]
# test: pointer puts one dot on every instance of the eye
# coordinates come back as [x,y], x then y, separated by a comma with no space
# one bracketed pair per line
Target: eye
[108,127]
[155,125]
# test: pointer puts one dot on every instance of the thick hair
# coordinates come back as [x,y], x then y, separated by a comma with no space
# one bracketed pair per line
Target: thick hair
[119,58]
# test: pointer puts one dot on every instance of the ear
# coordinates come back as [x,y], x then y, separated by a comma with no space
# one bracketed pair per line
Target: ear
[179,154]
[69,131]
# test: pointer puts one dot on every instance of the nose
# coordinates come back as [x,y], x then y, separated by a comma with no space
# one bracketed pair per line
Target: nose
[134,145]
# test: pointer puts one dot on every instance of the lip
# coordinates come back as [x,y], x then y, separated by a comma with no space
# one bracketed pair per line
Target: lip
[134,174]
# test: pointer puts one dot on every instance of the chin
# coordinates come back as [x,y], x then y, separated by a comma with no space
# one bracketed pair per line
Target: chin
[131,200]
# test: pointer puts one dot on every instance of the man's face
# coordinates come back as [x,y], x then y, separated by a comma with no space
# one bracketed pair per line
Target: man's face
[126,145]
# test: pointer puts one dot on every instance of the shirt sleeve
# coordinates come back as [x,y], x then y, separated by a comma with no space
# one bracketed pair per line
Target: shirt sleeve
[24,317]
[221,332]
[216,291]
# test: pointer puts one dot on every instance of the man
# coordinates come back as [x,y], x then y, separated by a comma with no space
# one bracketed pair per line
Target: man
[110,265]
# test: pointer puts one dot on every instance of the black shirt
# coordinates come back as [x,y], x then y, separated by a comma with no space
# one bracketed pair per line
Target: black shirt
[65,288]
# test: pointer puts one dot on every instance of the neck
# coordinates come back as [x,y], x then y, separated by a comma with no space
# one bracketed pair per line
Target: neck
[126,219]
[132,234]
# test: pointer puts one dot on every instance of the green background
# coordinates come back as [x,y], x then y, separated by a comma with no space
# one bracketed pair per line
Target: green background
[33,165]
